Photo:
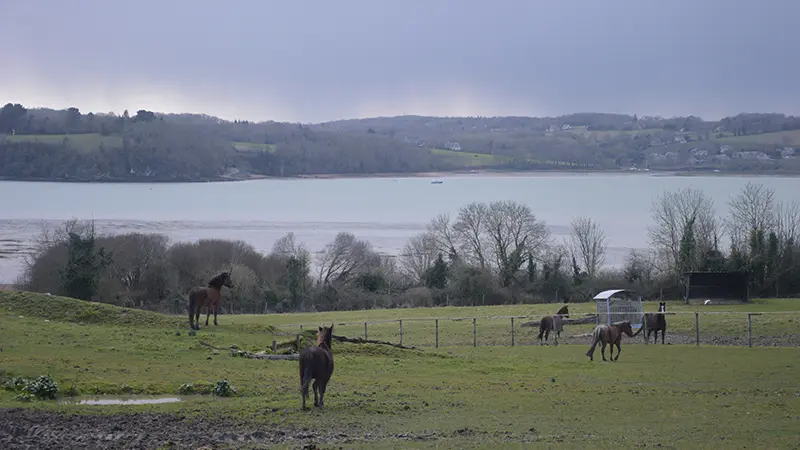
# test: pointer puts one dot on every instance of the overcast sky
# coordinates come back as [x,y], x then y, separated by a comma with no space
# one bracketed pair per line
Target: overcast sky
[321,60]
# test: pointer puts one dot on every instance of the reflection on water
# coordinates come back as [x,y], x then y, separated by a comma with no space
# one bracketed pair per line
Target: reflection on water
[123,401]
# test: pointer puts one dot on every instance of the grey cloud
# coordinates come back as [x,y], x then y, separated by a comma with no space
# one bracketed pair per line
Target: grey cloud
[322,60]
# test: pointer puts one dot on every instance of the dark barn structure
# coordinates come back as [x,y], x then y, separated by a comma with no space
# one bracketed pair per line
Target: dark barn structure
[717,285]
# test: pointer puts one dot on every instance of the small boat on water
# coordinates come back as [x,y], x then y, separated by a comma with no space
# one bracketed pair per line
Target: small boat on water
[437,182]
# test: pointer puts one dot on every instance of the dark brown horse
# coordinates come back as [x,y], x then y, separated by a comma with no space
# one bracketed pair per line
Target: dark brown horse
[610,334]
[656,322]
[553,323]
[208,297]
[317,362]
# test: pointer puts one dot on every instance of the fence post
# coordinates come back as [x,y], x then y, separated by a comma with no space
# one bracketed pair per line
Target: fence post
[696,328]
[274,346]
[474,332]
[365,331]
[512,331]
[401,332]
[297,344]
[749,331]
[437,333]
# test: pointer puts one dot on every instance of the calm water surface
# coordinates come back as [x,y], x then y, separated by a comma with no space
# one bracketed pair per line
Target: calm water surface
[384,211]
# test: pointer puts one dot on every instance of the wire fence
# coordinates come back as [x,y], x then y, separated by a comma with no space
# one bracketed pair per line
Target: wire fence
[763,329]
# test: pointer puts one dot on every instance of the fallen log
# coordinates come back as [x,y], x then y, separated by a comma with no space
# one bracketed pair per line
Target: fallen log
[371,341]
[582,320]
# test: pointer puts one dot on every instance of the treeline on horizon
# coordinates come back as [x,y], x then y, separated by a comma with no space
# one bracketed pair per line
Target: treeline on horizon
[487,254]
[41,143]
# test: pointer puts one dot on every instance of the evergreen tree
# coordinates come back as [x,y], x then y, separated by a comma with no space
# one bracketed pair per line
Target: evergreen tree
[436,276]
[84,266]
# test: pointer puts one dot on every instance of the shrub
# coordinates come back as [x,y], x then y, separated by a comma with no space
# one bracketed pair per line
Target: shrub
[223,389]
[43,387]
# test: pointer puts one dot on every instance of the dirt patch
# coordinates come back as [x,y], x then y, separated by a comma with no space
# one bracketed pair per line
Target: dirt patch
[28,429]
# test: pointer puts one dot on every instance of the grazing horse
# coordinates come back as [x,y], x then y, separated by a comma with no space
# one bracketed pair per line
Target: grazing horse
[207,297]
[610,334]
[656,322]
[317,362]
[554,323]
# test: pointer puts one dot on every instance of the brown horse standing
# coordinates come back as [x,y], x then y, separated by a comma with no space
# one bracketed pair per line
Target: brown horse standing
[208,297]
[610,334]
[656,322]
[317,363]
[554,323]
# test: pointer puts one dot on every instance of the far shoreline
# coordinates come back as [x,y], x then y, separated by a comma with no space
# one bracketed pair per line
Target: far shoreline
[434,174]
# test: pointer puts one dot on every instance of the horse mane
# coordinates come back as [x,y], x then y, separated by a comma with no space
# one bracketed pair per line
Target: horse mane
[217,281]
[563,311]
[327,338]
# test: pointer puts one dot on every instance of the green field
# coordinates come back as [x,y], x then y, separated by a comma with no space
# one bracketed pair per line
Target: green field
[253,147]
[789,138]
[471,159]
[82,142]
[674,396]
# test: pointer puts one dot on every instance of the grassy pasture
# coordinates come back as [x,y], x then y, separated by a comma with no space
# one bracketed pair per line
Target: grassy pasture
[254,147]
[789,137]
[675,396]
[469,159]
[83,142]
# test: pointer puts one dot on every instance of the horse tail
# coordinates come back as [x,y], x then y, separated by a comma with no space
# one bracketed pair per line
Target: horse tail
[305,378]
[542,327]
[596,335]
[192,303]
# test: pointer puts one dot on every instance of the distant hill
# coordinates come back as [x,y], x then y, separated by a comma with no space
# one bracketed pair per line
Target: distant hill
[47,144]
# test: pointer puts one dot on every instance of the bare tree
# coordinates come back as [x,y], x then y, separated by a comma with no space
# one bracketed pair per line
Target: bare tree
[344,258]
[418,256]
[787,221]
[753,208]
[444,236]
[513,232]
[470,229]
[288,246]
[134,255]
[671,212]
[588,244]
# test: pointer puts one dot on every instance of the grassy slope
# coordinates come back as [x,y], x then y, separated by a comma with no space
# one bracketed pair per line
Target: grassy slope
[776,138]
[253,147]
[82,142]
[703,397]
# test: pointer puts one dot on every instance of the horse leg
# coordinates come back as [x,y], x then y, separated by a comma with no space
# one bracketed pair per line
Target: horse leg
[208,312]
[197,318]
[316,394]
[322,387]
[555,337]
[590,353]
[547,335]
[619,350]
[603,351]
[663,332]
[216,310]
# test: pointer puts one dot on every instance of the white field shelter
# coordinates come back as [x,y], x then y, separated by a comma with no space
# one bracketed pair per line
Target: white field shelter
[616,305]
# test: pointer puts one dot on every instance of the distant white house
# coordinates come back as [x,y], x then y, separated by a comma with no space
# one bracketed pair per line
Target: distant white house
[565,127]
[761,156]
[452,145]
[680,139]
[725,148]
[787,153]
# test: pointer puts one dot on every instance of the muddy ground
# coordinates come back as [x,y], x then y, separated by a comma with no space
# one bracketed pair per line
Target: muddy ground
[30,429]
